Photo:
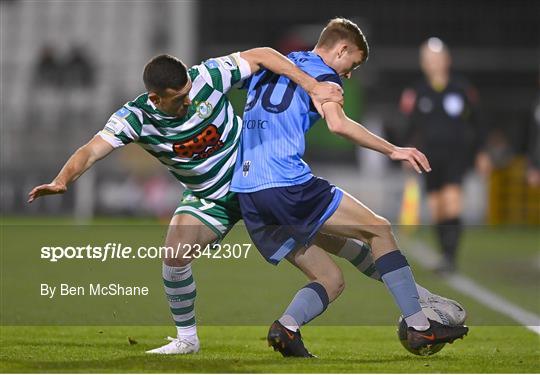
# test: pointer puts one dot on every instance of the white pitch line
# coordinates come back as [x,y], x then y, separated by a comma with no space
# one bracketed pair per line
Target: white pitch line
[426,257]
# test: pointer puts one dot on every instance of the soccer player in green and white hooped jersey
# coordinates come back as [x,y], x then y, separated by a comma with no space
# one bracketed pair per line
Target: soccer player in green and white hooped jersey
[200,147]
[186,121]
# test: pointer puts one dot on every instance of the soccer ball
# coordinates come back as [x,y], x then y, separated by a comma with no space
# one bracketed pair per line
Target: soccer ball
[451,312]
[431,313]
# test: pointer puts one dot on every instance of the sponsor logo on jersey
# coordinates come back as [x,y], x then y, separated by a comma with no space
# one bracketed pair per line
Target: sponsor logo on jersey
[255,124]
[228,62]
[114,126]
[212,64]
[245,168]
[122,112]
[204,109]
[201,146]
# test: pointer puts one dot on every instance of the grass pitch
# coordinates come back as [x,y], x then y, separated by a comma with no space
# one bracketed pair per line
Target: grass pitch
[243,349]
[236,302]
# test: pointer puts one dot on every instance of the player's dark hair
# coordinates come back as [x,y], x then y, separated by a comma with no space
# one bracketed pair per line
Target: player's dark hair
[339,29]
[163,72]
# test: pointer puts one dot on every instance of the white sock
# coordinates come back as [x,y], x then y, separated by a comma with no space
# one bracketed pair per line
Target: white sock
[423,293]
[187,333]
[418,321]
[288,322]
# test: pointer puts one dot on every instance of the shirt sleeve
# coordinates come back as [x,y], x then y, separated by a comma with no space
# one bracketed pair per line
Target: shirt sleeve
[325,77]
[120,129]
[224,72]
[330,77]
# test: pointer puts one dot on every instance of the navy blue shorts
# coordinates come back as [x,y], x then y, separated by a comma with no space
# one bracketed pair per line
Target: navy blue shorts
[282,219]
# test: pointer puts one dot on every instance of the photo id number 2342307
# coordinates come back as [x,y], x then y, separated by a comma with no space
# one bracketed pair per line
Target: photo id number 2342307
[216,251]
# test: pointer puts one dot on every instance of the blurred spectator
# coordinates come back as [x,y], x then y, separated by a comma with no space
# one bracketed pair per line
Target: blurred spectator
[79,81]
[48,70]
[47,80]
[500,150]
[440,113]
[78,70]
[61,88]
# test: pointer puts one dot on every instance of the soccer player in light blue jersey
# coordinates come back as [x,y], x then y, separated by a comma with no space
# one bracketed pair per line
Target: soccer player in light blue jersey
[286,208]
[185,120]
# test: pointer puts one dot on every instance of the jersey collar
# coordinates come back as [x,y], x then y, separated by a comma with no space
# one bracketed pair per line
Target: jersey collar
[316,54]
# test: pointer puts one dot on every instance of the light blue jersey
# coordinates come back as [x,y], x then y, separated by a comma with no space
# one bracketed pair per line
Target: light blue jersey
[277,115]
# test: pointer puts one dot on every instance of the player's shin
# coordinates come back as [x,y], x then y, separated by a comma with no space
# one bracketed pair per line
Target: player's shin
[308,303]
[180,290]
[359,254]
[398,278]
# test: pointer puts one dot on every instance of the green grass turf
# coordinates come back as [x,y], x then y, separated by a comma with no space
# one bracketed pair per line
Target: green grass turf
[505,260]
[230,292]
[356,334]
[243,349]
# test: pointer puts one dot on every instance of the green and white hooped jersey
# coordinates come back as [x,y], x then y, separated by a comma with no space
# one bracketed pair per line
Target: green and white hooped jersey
[199,149]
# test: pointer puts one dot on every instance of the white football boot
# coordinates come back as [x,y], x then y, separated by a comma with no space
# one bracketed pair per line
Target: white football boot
[453,310]
[178,346]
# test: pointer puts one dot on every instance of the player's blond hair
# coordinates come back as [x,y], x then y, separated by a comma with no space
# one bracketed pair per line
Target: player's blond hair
[339,29]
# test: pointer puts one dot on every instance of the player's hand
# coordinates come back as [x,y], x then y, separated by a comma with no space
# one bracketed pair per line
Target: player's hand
[412,156]
[47,189]
[323,92]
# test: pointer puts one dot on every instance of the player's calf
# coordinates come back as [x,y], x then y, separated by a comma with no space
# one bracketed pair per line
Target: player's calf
[319,268]
[179,283]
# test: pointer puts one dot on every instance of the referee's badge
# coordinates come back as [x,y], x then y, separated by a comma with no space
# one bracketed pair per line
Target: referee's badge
[453,104]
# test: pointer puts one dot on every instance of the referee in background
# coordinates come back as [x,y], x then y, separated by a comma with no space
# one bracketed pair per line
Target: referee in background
[440,123]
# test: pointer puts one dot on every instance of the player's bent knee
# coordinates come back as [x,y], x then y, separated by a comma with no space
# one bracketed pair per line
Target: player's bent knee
[176,255]
[382,222]
[381,226]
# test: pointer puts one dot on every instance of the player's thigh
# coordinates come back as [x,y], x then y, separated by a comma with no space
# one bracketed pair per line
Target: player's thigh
[451,197]
[318,266]
[353,219]
[186,232]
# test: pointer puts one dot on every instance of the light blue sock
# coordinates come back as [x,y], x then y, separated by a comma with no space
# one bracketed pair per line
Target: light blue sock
[307,304]
[398,278]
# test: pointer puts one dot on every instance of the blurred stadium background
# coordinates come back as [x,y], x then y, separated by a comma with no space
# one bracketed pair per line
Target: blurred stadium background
[67,65]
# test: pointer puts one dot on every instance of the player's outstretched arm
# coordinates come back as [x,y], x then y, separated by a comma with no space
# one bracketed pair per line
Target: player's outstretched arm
[77,164]
[320,92]
[340,124]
